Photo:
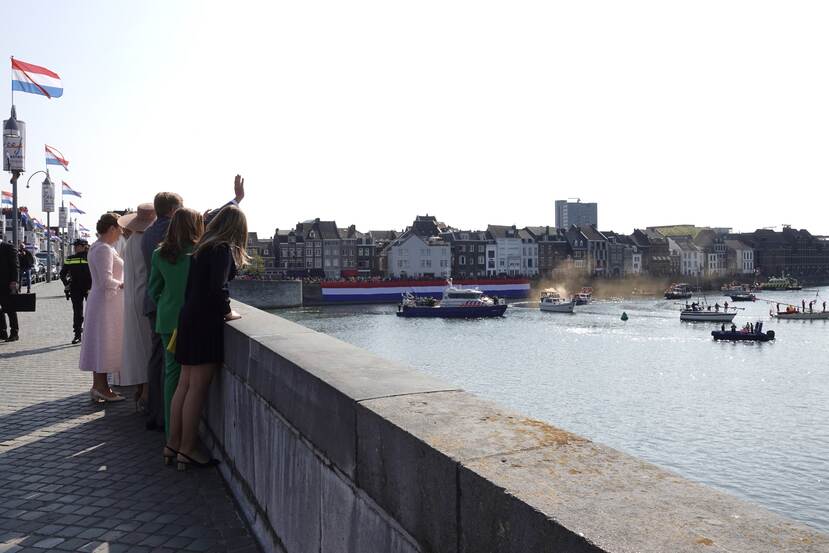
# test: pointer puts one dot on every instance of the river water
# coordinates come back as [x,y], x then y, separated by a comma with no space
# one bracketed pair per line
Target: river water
[751,419]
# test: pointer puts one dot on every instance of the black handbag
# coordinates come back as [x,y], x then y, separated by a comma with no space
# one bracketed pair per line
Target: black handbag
[18,302]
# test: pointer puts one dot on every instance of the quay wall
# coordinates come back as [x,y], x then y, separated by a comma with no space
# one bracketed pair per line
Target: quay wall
[267,294]
[329,448]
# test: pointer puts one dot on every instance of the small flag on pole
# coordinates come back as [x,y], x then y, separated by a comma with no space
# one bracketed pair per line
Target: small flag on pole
[54,157]
[68,190]
[7,198]
[75,209]
[82,228]
[27,77]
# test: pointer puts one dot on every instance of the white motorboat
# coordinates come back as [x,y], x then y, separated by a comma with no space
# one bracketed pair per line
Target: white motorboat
[705,313]
[460,303]
[585,296]
[552,301]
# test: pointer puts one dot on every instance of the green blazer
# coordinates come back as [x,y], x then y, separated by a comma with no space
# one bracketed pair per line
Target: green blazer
[166,287]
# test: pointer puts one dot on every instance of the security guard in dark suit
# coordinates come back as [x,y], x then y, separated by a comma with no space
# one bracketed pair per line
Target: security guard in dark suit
[77,280]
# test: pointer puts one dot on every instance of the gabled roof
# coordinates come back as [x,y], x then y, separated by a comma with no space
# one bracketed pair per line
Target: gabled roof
[502,231]
[524,234]
[685,243]
[429,240]
[592,234]
[470,235]
[547,233]
[328,230]
[736,244]
[651,235]
[378,235]
[426,225]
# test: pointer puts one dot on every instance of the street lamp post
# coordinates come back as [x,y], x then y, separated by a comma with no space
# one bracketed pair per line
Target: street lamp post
[48,201]
[14,137]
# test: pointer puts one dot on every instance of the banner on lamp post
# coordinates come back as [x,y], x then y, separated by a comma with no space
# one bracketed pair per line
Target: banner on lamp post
[63,217]
[47,196]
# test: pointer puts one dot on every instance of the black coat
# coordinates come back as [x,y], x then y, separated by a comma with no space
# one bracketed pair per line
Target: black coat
[27,260]
[9,267]
[200,333]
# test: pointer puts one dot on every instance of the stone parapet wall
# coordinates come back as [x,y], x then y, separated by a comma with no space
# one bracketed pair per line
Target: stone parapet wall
[267,294]
[329,448]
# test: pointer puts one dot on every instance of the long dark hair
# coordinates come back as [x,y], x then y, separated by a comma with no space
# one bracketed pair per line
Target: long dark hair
[186,227]
[229,227]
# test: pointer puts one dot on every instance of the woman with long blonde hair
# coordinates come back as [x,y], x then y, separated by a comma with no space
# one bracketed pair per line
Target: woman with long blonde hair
[199,343]
[169,268]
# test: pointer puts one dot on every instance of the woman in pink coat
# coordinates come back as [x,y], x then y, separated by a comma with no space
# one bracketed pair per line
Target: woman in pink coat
[103,327]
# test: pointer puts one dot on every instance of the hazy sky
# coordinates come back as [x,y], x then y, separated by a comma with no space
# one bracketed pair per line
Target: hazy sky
[714,113]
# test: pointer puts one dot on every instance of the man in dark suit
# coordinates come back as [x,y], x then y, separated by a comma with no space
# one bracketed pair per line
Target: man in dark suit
[9,269]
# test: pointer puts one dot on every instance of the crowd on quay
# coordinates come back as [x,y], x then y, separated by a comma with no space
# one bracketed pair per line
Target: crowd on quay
[155,289]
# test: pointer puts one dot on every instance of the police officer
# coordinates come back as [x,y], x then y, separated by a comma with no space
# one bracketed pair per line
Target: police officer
[77,281]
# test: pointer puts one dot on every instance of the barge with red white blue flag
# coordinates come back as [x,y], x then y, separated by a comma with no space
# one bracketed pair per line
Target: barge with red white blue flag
[390,291]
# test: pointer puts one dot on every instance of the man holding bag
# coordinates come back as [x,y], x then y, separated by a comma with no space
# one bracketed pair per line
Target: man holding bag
[9,270]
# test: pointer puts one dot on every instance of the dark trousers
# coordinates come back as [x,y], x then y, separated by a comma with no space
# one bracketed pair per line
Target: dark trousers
[155,379]
[77,312]
[12,320]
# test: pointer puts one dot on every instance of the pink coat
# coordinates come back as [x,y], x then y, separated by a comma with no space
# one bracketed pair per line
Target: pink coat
[103,325]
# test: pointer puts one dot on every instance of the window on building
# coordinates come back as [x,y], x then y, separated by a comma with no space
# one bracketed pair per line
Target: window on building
[480,260]
[461,260]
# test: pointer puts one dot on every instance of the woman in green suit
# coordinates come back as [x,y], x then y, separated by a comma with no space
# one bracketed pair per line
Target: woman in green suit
[168,280]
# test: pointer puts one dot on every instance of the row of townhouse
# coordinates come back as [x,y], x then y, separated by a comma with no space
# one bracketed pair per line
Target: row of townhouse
[429,248]
[707,252]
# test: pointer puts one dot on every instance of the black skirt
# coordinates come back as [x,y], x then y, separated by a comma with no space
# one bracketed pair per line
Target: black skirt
[200,334]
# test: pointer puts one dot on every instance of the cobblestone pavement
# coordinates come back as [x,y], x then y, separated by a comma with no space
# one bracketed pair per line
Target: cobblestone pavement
[75,476]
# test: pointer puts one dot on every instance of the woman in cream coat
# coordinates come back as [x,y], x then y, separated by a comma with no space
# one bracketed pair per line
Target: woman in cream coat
[137,341]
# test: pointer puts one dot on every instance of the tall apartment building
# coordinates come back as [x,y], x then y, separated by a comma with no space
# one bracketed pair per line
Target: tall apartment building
[576,213]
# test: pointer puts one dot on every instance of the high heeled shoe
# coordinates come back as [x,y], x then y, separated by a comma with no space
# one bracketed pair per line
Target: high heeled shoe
[98,397]
[168,458]
[188,461]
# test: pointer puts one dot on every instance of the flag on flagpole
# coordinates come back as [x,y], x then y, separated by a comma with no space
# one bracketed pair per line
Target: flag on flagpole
[68,190]
[7,198]
[54,157]
[27,77]
[75,209]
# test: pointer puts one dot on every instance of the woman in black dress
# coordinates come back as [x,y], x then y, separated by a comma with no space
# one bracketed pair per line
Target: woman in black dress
[199,345]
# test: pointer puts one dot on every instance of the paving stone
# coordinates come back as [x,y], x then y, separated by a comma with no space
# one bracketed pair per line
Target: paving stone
[78,476]
[49,543]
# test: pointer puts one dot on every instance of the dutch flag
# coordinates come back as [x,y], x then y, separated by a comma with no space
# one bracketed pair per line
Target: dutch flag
[7,198]
[54,157]
[75,209]
[34,79]
[82,228]
[69,191]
